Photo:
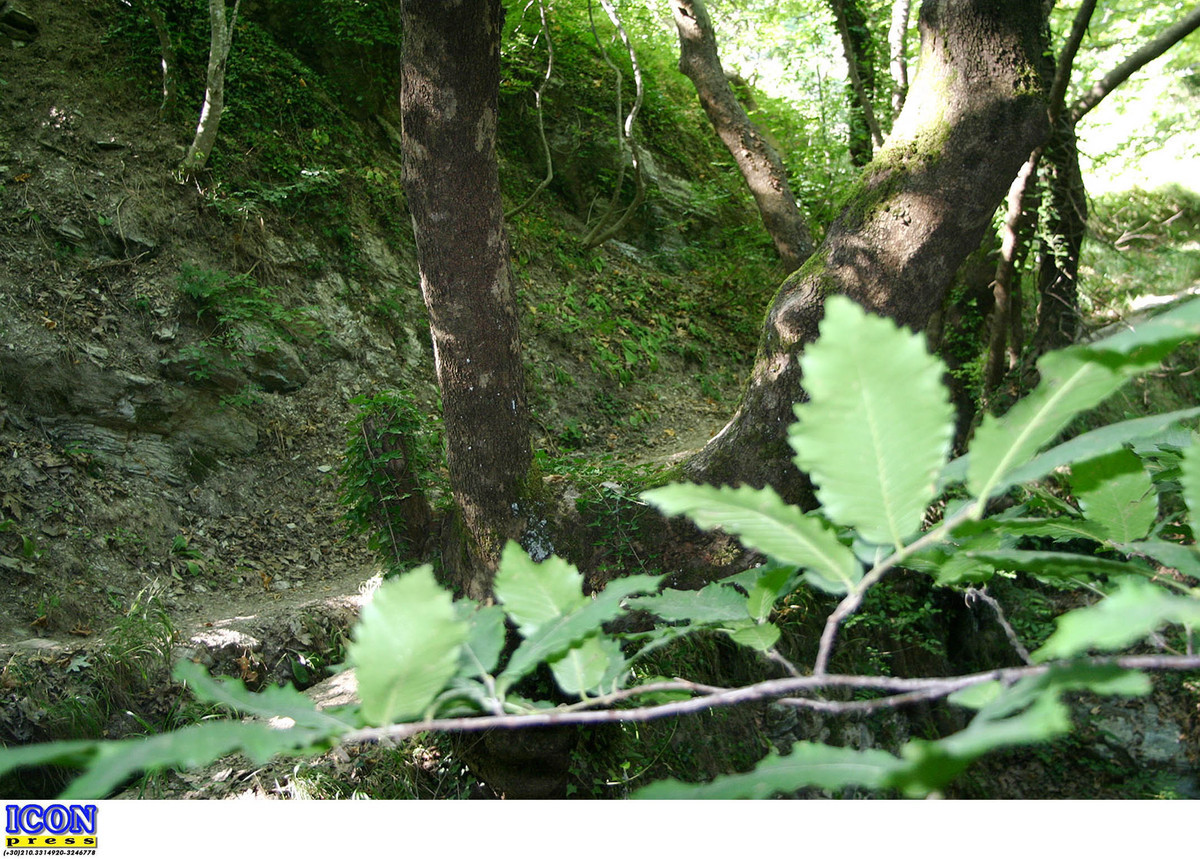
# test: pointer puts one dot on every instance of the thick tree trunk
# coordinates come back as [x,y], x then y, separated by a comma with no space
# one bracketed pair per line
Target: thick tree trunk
[759,163]
[449,99]
[975,110]
[214,92]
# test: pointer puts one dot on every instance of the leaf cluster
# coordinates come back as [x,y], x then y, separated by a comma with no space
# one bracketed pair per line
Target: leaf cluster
[875,437]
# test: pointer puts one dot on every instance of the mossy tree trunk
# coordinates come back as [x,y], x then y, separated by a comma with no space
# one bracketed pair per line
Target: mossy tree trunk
[449,100]
[756,158]
[975,110]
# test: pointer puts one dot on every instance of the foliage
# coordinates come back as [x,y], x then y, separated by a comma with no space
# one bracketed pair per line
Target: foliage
[388,431]
[434,664]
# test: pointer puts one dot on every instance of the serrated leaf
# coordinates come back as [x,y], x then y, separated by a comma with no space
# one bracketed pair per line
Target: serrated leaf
[485,642]
[1115,491]
[272,702]
[534,594]
[557,636]
[1096,443]
[1136,609]
[808,765]
[1186,559]
[714,603]
[406,647]
[582,668]
[1055,527]
[1058,565]
[1073,380]
[764,521]
[878,424]
[760,636]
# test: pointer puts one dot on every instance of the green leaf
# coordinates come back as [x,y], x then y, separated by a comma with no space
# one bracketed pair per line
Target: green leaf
[760,636]
[1115,491]
[808,765]
[1073,380]
[1055,527]
[584,667]
[1135,610]
[1096,443]
[406,647]
[1189,483]
[878,425]
[764,521]
[485,642]
[534,594]
[1185,559]
[714,603]
[1058,565]
[557,636]
[272,702]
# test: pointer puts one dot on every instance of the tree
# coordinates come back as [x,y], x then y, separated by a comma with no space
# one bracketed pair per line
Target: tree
[859,48]
[449,101]
[975,109]
[214,91]
[756,158]
[1066,206]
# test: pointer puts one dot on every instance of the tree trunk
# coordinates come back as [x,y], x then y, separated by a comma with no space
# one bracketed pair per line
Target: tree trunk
[859,48]
[975,110]
[214,92]
[759,163]
[898,52]
[170,83]
[1058,253]
[449,99]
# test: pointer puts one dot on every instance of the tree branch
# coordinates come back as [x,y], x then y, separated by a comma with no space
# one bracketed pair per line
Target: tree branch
[1152,50]
[906,691]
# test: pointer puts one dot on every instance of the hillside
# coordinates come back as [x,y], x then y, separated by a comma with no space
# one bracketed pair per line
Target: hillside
[181,357]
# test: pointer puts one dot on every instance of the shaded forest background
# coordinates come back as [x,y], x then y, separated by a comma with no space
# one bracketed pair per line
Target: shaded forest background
[206,375]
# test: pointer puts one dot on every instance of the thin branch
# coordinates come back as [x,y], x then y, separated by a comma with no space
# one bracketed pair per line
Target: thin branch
[897,52]
[1066,60]
[605,229]
[982,595]
[856,82]
[1152,50]
[537,100]
[907,690]
[851,602]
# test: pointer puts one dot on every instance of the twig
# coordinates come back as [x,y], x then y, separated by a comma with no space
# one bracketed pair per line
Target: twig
[907,690]
[851,602]
[981,594]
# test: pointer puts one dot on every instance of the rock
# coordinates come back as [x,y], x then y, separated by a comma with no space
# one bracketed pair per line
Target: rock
[16,23]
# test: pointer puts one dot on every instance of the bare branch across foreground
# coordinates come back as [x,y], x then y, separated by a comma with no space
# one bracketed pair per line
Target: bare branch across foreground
[903,691]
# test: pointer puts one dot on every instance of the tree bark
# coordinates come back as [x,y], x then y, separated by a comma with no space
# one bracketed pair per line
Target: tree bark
[449,100]
[975,110]
[759,163]
[214,92]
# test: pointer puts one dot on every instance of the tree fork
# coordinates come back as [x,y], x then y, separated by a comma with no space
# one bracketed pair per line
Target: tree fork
[975,110]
